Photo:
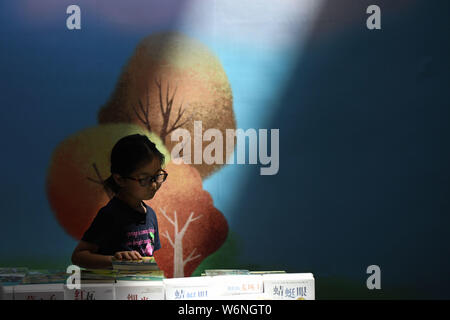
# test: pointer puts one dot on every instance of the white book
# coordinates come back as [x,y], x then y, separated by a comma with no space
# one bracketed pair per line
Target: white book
[290,286]
[6,292]
[238,284]
[250,296]
[104,291]
[139,290]
[53,291]
[189,288]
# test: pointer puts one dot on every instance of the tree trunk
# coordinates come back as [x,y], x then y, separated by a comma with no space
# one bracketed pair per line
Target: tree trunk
[178,265]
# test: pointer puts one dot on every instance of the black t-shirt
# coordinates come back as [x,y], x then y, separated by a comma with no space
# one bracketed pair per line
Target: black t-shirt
[118,227]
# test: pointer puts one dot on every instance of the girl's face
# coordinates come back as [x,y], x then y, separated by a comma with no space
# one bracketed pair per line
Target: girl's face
[134,188]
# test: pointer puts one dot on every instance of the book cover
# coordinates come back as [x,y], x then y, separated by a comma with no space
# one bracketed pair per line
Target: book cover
[223,272]
[12,276]
[44,276]
[146,275]
[146,263]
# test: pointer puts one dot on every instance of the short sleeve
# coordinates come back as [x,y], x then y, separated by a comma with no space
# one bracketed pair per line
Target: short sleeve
[99,229]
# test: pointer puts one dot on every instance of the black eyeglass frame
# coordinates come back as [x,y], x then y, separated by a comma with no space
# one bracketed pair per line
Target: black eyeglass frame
[148,180]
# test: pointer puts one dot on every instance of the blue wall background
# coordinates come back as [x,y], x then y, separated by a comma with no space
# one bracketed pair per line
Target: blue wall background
[363,118]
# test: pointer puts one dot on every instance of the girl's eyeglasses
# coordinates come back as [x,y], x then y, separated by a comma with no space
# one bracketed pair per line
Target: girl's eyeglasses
[160,177]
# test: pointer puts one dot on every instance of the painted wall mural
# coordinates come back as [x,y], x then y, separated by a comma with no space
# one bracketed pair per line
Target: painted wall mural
[296,137]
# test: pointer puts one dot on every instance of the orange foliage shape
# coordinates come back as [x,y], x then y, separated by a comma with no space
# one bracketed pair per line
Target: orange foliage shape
[207,229]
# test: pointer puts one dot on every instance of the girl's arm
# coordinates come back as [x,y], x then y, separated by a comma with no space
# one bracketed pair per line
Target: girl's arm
[85,256]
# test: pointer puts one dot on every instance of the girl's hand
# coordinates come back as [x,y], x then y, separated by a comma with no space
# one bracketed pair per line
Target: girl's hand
[127,255]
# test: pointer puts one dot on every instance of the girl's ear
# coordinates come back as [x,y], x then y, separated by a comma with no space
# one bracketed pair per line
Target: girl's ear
[118,179]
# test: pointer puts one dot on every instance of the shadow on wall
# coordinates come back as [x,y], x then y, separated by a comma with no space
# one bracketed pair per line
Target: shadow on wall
[364,158]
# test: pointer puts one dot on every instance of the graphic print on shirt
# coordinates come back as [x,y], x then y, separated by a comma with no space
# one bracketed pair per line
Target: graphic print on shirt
[143,241]
[150,246]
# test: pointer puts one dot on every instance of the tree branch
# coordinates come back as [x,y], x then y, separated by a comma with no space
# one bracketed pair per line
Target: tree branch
[174,126]
[161,104]
[144,111]
[190,257]
[137,113]
[170,102]
[166,216]
[176,222]
[190,219]
[148,100]
[180,114]
[168,238]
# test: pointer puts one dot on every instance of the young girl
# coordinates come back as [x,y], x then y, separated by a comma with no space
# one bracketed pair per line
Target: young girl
[126,228]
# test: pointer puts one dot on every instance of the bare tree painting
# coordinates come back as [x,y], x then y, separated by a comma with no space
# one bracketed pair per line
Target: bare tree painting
[179,262]
[165,106]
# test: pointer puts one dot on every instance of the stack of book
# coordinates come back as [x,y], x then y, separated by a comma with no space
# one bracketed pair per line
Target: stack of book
[12,276]
[267,272]
[225,272]
[144,264]
[140,275]
[45,276]
[145,269]
[230,272]
[97,276]
[237,283]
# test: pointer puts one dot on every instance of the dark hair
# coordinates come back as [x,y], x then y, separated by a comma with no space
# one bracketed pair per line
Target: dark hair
[128,155]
